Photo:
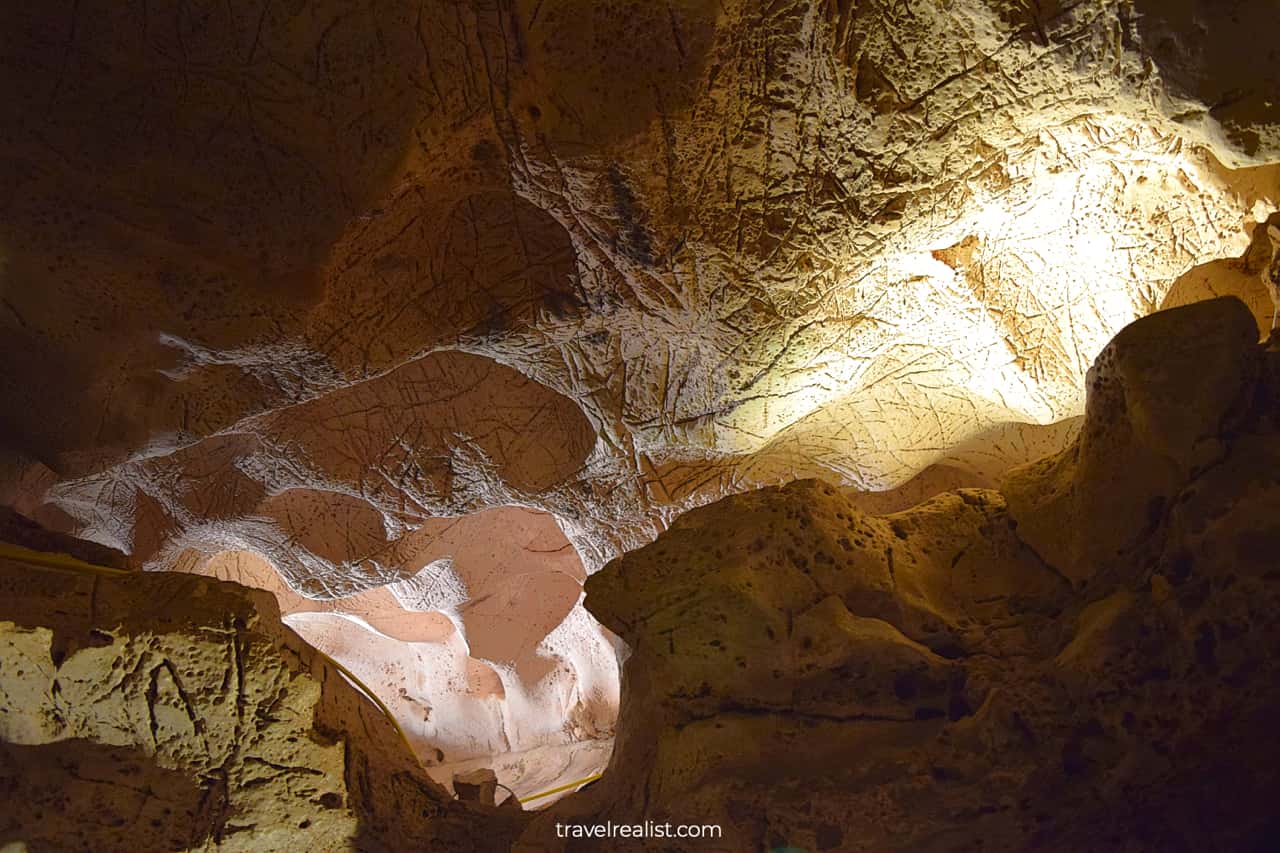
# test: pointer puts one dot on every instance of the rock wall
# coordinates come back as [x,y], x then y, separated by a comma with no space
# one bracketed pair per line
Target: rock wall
[1078,660]
[163,712]
[374,264]
[483,652]
[314,280]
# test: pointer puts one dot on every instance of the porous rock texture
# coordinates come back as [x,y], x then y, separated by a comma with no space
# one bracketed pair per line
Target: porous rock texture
[484,652]
[1080,660]
[274,268]
[170,712]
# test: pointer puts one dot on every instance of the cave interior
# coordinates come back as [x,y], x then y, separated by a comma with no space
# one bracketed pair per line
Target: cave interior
[683,425]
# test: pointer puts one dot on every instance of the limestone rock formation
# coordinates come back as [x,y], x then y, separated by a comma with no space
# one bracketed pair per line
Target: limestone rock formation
[307,282]
[1079,660]
[165,712]
[395,261]
[1243,277]
[483,652]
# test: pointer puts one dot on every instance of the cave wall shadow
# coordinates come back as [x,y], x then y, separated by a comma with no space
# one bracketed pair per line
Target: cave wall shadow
[80,795]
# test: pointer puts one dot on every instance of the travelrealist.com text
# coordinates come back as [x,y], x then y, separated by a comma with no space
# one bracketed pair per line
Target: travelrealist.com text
[647,829]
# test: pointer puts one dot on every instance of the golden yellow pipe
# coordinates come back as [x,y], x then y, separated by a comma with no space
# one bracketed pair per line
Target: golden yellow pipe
[46,560]
[591,778]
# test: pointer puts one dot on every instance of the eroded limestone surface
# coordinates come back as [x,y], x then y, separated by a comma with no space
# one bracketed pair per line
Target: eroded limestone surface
[1078,660]
[164,712]
[483,653]
[393,261]
[309,280]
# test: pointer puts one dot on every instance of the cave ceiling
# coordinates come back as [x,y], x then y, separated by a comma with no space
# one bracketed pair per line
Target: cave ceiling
[272,269]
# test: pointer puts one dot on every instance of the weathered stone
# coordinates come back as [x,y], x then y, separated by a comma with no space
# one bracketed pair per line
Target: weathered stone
[1162,396]
[176,710]
[476,786]
[805,675]
[646,259]
[341,288]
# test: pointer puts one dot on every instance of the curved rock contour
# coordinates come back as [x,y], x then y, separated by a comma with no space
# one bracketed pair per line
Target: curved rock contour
[301,279]
[1078,660]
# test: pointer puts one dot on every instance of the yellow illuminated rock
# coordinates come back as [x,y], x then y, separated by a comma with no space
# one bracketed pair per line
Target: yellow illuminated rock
[419,313]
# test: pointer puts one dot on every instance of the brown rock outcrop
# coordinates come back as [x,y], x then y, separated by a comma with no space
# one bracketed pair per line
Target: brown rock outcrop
[622,260]
[308,280]
[1077,661]
[161,712]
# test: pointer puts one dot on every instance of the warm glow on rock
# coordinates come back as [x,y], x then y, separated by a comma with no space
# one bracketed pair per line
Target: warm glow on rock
[989,311]
[487,653]
[424,314]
